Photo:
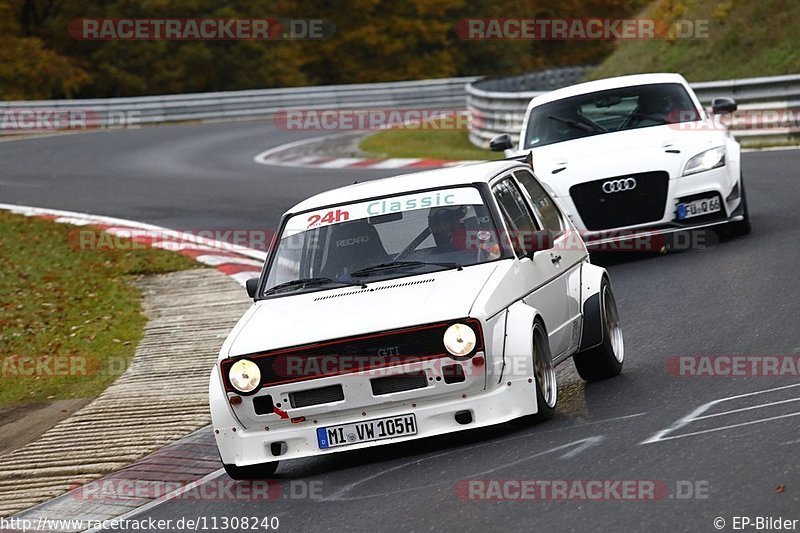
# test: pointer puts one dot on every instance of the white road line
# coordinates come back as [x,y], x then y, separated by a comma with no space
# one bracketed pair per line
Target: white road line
[695,415]
[216,260]
[262,158]
[340,162]
[396,162]
[732,426]
[747,408]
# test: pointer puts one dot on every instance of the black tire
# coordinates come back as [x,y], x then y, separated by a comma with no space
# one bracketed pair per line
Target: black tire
[742,227]
[259,471]
[605,360]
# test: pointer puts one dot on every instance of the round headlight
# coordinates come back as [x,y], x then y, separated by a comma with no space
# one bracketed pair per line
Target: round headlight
[459,339]
[245,376]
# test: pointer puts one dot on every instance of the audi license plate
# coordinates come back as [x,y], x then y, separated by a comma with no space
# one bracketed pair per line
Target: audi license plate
[698,208]
[368,430]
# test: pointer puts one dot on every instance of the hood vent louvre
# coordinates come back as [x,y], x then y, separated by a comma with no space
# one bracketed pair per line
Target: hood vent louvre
[381,288]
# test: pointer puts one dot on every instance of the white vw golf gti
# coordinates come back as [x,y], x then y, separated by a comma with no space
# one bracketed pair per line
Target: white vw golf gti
[635,156]
[408,307]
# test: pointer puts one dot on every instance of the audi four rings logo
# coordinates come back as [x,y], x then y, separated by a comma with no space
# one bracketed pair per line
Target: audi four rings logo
[627,184]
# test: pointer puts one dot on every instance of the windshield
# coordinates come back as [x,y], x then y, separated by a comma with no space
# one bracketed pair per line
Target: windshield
[625,108]
[384,238]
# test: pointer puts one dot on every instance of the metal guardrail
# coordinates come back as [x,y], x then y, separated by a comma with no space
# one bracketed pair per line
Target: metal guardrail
[498,105]
[445,93]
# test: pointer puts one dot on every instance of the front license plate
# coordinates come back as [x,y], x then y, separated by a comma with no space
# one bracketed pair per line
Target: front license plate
[368,430]
[697,208]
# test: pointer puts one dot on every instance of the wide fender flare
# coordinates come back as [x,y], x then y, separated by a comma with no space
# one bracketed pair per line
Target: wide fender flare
[222,419]
[592,277]
[518,352]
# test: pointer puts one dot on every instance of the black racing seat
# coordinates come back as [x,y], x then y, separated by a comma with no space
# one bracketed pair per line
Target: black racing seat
[352,246]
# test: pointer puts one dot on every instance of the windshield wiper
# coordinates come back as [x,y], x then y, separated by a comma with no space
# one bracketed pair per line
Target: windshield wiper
[574,124]
[312,282]
[391,265]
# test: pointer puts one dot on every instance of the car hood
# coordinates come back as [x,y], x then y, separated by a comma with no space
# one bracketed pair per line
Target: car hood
[341,312]
[564,164]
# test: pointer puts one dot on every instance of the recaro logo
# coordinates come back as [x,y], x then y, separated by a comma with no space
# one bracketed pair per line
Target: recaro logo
[612,186]
[353,240]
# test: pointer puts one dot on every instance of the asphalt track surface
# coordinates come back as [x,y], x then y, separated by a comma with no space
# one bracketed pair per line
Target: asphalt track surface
[739,296]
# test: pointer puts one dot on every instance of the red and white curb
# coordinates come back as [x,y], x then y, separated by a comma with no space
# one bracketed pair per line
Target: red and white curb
[292,155]
[236,261]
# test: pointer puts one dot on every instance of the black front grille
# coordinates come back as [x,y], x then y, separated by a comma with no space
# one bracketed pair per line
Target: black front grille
[399,383]
[353,354]
[601,210]
[334,393]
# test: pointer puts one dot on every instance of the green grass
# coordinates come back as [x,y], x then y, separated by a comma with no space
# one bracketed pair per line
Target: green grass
[71,311]
[746,38]
[428,143]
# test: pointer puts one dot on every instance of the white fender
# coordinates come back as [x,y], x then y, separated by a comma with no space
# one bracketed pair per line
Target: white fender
[518,353]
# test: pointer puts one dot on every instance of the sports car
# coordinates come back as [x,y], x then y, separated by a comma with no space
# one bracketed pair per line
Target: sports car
[635,156]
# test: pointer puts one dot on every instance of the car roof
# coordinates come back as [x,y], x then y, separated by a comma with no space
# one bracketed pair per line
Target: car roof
[607,83]
[405,183]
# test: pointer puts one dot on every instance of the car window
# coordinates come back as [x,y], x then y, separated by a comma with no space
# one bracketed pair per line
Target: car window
[601,112]
[515,211]
[542,203]
[438,226]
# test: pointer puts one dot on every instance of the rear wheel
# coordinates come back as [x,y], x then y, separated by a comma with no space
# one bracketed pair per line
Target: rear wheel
[604,361]
[259,471]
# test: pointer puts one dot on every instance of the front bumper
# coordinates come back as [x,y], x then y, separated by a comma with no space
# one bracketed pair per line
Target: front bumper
[652,235]
[497,403]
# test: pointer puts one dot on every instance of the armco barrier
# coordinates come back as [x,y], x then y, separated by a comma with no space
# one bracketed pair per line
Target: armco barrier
[446,93]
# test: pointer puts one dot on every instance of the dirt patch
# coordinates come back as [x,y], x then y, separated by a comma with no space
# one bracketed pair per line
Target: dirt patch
[22,424]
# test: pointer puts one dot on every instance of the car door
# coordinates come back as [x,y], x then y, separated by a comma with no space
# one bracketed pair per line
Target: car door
[568,246]
[539,278]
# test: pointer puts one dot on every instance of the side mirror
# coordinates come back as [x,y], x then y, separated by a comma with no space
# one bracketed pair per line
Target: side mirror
[539,241]
[252,287]
[723,105]
[500,143]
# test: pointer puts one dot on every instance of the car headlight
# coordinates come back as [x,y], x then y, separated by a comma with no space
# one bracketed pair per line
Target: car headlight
[460,339]
[245,376]
[705,161]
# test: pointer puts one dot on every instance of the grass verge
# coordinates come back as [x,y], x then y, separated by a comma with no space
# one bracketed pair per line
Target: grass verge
[745,38]
[70,319]
[440,141]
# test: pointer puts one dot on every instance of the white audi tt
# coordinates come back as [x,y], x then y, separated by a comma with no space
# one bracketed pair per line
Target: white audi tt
[635,156]
[408,307]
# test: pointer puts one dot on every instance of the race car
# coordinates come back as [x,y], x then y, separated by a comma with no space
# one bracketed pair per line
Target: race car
[408,307]
[635,156]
